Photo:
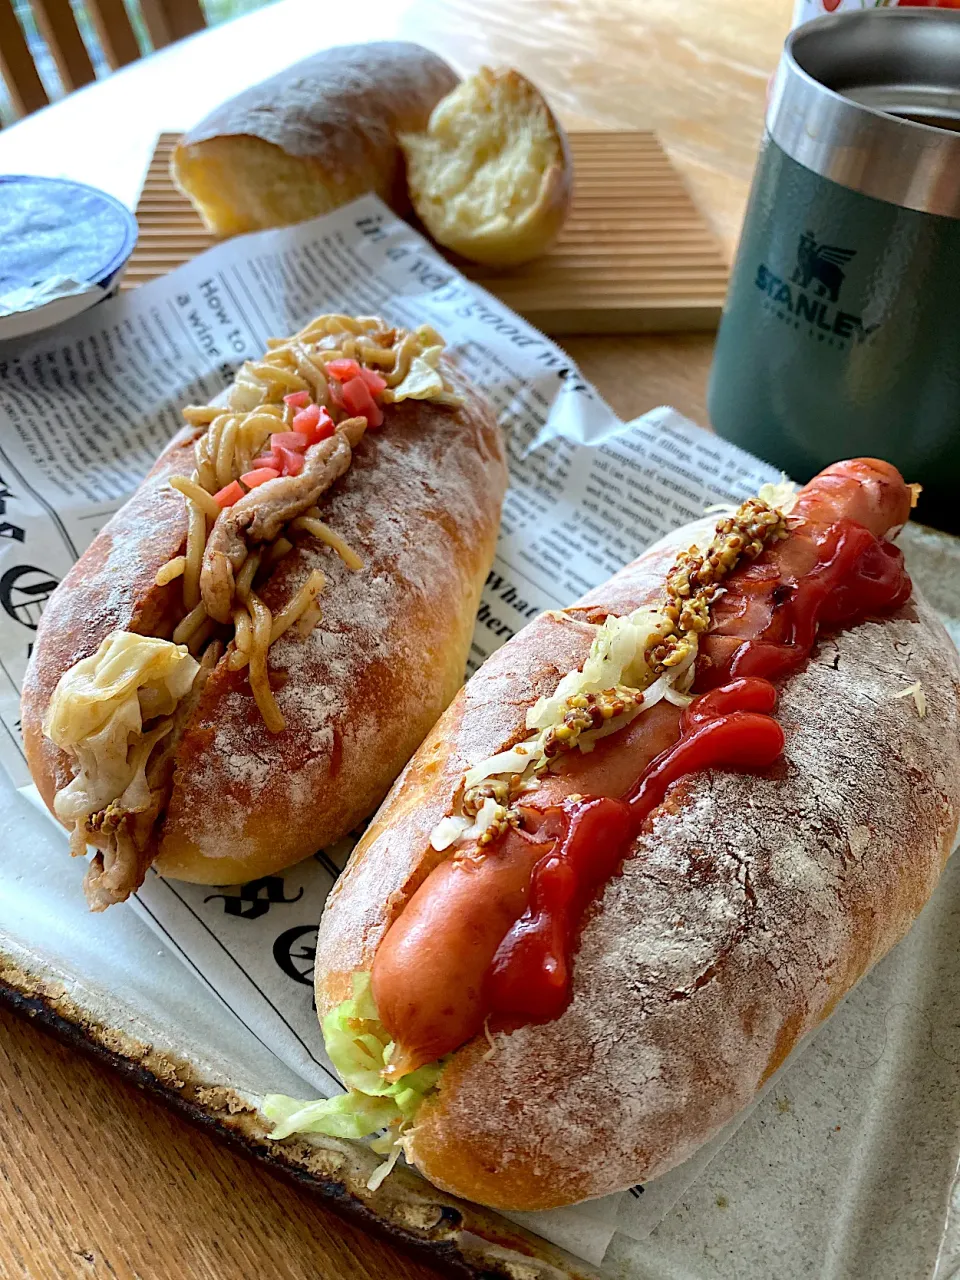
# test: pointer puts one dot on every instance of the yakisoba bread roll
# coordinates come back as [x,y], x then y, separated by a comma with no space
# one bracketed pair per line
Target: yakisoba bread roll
[240,664]
[650,845]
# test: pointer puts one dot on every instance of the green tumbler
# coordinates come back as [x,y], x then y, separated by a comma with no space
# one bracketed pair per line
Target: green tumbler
[841,330]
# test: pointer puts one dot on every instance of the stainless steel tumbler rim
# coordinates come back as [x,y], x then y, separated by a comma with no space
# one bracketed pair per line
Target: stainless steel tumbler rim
[841,76]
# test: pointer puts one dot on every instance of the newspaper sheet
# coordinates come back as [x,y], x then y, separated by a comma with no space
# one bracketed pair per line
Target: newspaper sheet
[85,410]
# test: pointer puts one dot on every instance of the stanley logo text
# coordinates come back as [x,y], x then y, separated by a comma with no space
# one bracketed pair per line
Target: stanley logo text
[812,294]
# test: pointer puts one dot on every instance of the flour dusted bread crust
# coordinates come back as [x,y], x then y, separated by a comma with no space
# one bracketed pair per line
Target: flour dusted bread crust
[313,137]
[745,914]
[420,506]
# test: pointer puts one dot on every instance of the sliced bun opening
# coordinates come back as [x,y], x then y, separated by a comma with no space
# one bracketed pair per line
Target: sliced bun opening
[490,177]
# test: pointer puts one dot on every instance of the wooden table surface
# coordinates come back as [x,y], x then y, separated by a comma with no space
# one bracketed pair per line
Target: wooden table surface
[96,1180]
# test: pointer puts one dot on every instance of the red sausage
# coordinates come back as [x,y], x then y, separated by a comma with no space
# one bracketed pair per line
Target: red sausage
[867,490]
[614,764]
[429,971]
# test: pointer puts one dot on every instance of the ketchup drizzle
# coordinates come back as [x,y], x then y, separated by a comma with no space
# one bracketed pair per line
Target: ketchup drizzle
[729,726]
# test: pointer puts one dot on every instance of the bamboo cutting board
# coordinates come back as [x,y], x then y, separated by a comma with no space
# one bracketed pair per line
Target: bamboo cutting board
[635,256]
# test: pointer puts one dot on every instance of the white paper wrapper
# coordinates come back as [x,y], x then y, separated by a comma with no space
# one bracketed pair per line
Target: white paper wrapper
[82,417]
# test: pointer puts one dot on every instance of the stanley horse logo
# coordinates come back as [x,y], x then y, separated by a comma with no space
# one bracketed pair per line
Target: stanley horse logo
[822,263]
[809,299]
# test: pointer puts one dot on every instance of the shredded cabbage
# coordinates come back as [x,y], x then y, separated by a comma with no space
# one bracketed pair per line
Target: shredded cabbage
[360,1049]
[513,761]
[351,1115]
[392,1148]
[423,380]
[448,831]
[96,715]
[486,817]
[782,495]
[616,658]
[617,661]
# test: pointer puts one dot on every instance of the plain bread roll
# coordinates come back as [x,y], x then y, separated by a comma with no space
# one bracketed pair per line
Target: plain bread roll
[490,176]
[314,137]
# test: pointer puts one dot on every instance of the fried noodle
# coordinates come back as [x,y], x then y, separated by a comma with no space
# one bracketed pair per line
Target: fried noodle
[235,435]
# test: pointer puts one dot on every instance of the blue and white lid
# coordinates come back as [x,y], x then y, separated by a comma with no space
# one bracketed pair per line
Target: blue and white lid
[63,248]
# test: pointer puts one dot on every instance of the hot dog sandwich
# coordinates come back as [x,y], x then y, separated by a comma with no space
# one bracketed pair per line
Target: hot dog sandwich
[245,657]
[651,844]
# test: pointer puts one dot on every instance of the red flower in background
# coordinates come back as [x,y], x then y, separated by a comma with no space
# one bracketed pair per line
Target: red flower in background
[830,5]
